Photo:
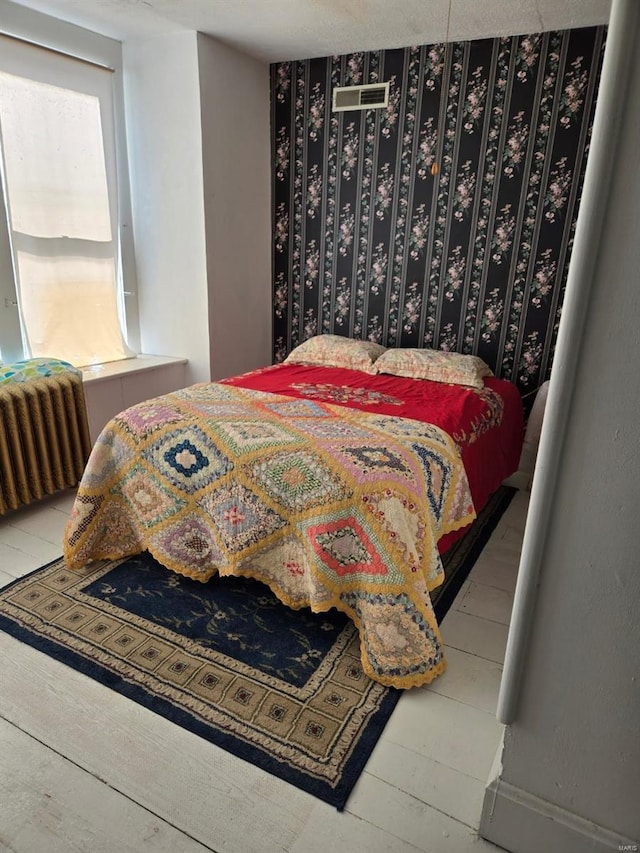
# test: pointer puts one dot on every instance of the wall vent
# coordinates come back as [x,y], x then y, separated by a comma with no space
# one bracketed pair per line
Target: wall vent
[368,97]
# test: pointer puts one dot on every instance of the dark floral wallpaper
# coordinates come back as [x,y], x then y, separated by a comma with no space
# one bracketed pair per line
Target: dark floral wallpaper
[369,244]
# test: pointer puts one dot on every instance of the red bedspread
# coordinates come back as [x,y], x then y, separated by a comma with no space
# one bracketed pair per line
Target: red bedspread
[487,424]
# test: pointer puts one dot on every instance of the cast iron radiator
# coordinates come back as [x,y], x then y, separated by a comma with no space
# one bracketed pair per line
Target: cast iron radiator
[44,438]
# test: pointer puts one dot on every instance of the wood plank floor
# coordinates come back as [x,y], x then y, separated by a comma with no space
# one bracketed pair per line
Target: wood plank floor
[84,769]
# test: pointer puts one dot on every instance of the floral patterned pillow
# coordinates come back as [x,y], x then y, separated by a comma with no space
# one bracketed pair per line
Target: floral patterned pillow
[337,351]
[436,365]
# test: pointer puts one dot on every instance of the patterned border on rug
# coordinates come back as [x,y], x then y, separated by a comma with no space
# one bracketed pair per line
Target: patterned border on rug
[316,735]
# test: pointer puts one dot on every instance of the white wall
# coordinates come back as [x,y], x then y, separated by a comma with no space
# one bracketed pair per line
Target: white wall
[570,777]
[162,98]
[234,92]
[199,142]
[22,22]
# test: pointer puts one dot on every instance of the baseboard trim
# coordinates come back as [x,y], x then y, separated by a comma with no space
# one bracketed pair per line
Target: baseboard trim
[523,823]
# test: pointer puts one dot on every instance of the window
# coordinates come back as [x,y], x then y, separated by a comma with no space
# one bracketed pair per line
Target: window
[60,272]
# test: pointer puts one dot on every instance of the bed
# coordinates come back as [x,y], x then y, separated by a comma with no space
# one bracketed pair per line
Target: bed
[333,483]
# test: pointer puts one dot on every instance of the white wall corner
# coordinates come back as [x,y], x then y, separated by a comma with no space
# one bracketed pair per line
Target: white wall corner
[520,480]
[524,475]
[523,823]
[496,767]
[162,96]
[236,146]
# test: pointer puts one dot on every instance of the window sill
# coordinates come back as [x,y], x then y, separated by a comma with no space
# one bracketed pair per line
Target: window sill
[128,367]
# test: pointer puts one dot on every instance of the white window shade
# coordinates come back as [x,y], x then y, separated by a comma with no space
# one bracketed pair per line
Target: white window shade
[56,130]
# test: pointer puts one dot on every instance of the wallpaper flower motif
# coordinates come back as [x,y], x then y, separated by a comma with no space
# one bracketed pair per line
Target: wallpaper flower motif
[280,296]
[558,190]
[455,273]
[281,234]
[448,338]
[426,154]
[347,226]
[349,156]
[315,118]
[368,243]
[573,92]
[282,80]
[492,315]
[314,191]
[527,56]
[384,192]
[530,358]
[412,305]
[502,240]
[515,149]
[353,71]
[379,264]
[464,191]
[343,298]
[390,116]
[543,278]
[475,101]
[312,264]
[283,152]
[419,232]
[434,66]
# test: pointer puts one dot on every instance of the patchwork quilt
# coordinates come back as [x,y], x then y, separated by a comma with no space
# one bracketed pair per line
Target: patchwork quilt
[328,506]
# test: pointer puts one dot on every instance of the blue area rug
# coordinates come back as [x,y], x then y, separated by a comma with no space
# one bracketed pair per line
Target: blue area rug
[279,688]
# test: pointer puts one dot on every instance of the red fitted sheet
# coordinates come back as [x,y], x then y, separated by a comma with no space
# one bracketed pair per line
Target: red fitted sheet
[487,424]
